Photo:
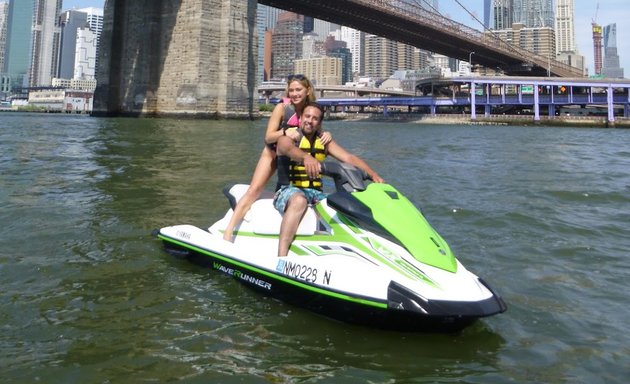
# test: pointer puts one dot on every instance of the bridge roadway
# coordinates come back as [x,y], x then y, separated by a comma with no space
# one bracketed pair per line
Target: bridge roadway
[495,91]
[404,21]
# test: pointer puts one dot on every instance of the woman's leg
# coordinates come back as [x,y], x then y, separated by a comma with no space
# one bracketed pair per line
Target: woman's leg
[264,170]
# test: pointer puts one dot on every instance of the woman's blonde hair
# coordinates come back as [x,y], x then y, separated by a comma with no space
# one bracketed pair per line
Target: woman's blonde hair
[310,96]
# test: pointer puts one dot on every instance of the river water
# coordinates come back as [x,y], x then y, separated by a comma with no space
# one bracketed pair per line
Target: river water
[87,295]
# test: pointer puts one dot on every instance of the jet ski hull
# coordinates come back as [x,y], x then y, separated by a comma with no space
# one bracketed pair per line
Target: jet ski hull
[398,309]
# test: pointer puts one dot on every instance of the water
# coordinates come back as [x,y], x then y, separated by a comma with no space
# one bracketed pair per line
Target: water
[87,295]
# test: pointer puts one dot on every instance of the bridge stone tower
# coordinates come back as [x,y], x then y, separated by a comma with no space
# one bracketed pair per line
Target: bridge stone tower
[177,57]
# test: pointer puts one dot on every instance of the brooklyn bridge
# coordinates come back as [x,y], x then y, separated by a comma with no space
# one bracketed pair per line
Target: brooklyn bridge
[199,56]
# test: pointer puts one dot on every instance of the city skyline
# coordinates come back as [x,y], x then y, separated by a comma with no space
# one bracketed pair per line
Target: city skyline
[610,11]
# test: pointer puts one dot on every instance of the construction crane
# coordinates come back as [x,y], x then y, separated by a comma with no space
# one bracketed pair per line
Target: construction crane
[597,42]
[594,20]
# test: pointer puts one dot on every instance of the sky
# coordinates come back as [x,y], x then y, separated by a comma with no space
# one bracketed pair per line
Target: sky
[610,11]
[69,4]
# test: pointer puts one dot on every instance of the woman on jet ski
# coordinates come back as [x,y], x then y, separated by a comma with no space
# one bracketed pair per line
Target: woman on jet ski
[299,92]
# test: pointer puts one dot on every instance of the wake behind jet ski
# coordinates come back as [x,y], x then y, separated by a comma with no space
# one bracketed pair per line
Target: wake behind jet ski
[365,255]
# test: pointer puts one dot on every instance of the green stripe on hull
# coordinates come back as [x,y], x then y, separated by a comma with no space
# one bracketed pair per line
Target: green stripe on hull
[274,276]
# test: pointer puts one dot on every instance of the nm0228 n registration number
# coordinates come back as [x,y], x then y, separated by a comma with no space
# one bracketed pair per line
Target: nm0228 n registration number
[302,272]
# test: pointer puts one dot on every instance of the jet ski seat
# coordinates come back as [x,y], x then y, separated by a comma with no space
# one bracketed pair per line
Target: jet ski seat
[263,218]
[234,193]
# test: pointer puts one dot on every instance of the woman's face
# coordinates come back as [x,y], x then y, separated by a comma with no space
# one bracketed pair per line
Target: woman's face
[297,92]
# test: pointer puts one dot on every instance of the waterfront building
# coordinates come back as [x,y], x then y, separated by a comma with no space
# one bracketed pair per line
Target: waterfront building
[611,66]
[54,99]
[46,40]
[80,84]
[286,44]
[321,70]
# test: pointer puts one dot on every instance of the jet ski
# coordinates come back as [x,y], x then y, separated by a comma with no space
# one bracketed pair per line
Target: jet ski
[364,255]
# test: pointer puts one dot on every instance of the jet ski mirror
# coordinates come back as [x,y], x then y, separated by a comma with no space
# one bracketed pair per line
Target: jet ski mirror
[347,177]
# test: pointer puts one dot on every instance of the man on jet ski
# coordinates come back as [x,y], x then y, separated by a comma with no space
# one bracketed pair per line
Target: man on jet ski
[299,172]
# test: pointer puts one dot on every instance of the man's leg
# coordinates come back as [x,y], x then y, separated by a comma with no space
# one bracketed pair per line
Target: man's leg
[296,207]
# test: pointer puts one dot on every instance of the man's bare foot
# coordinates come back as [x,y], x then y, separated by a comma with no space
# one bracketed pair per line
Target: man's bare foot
[228,236]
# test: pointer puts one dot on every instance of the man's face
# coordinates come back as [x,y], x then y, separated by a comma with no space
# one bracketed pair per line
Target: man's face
[311,120]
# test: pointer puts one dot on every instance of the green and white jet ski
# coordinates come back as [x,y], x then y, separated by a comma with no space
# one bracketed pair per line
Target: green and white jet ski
[365,255]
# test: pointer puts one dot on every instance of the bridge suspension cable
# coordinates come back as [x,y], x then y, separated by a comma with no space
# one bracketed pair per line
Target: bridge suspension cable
[471,14]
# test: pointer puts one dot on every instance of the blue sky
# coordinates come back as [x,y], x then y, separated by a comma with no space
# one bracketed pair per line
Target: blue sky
[610,11]
[69,4]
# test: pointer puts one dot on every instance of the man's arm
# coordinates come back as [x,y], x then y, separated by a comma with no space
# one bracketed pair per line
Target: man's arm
[286,147]
[339,153]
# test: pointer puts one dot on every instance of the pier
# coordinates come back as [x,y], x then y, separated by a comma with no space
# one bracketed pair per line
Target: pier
[488,96]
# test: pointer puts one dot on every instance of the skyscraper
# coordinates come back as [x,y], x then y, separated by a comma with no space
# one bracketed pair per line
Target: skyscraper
[46,41]
[534,13]
[487,13]
[502,11]
[18,44]
[266,18]
[355,41]
[95,21]
[323,28]
[70,22]
[286,44]
[565,31]
[4,17]
[85,54]
[597,47]
[381,57]
[611,66]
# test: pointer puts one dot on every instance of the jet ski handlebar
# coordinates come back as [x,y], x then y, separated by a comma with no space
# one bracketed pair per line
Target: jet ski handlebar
[347,177]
